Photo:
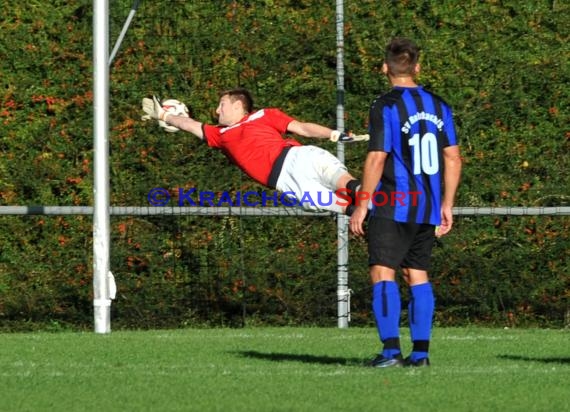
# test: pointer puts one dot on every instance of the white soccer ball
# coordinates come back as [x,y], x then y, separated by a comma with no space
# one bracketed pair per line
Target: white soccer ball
[175,107]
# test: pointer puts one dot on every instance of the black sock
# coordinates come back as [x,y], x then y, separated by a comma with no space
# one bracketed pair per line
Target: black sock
[353,186]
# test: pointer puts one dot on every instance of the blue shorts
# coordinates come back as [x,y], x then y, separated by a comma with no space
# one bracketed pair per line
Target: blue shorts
[400,245]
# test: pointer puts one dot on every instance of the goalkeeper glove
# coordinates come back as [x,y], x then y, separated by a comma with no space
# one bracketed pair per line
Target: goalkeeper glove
[153,109]
[342,137]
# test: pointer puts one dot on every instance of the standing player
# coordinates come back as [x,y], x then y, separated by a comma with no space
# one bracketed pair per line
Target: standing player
[253,140]
[412,148]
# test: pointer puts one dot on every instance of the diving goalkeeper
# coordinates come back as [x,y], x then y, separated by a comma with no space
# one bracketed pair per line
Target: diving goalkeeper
[254,141]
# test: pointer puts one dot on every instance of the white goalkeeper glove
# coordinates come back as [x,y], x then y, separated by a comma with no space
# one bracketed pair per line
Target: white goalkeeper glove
[153,109]
[160,111]
[342,137]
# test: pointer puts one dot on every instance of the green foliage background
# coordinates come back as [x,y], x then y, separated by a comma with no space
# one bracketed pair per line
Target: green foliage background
[502,65]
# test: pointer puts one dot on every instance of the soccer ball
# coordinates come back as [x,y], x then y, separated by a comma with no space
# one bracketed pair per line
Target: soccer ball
[175,107]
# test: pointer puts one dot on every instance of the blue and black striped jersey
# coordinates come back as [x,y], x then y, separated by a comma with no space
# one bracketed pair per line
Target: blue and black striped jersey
[413,126]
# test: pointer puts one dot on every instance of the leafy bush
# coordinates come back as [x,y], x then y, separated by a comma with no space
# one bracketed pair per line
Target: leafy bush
[501,65]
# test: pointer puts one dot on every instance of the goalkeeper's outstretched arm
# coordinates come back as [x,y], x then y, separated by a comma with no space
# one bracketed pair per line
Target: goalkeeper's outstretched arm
[187,124]
[306,129]
[166,115]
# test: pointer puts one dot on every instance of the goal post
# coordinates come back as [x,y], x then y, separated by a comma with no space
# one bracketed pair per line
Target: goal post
[343,292]
[101,215]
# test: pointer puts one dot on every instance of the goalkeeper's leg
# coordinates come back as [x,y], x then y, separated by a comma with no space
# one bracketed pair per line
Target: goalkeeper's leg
[352,187]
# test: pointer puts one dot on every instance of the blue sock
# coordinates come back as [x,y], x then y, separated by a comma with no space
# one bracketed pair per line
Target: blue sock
[420,313]
[386,305]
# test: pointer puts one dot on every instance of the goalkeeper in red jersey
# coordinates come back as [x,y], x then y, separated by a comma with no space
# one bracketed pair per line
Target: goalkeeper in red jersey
[254,140]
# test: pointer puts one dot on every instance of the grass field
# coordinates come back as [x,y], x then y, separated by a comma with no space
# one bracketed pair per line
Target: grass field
[281,369]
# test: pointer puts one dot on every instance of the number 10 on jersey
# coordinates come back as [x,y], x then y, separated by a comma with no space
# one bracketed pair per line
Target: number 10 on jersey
[424,149]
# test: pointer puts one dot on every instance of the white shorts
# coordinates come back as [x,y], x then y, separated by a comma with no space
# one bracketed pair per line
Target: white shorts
[308,177]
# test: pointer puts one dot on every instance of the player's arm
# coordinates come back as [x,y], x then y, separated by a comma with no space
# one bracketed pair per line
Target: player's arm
[372,173]
[155,110]
[307,129]
[451,177]
[187,124]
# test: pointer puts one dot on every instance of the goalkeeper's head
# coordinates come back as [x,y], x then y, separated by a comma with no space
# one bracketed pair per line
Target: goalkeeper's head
[234,105]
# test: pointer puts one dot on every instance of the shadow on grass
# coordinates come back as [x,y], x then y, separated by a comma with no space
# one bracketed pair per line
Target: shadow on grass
[293,357]
[535,359]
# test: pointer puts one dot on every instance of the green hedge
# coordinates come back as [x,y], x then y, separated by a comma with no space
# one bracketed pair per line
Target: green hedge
[501,65]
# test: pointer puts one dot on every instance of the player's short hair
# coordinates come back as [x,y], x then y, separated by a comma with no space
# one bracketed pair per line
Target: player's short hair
[241,94]
[401,56]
